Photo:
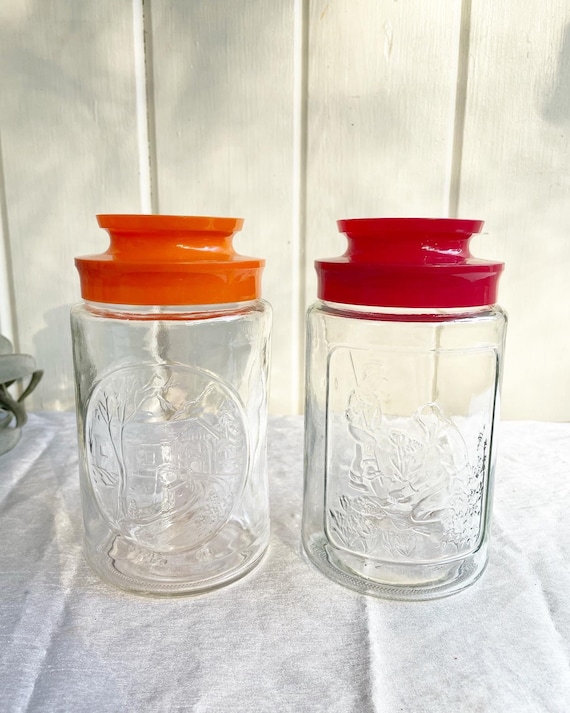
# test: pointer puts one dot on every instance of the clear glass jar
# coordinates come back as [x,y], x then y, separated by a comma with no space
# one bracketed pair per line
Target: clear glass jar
[401,405]
[172,409]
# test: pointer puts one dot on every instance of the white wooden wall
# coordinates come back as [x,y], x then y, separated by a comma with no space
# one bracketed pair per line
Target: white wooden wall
[291,114]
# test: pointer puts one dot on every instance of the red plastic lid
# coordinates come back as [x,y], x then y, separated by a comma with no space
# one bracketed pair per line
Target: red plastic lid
[408,262]
[169,260]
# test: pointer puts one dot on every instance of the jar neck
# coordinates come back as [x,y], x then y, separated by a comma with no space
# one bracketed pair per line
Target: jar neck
[165,312]
[404,313]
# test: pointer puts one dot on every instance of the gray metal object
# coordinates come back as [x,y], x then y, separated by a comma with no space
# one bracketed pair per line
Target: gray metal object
[14,367]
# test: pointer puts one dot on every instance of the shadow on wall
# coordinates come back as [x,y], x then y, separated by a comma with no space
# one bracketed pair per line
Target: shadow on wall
[68,122]
[68,115]
[556,109]
[518,172]
[53,344]
[222,91]
[222,95]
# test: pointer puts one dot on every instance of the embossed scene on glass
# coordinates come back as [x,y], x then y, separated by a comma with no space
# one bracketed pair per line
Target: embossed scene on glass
[405,482]
[167,452]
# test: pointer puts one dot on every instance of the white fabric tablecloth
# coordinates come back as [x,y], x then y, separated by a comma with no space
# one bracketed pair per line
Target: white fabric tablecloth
[284,638]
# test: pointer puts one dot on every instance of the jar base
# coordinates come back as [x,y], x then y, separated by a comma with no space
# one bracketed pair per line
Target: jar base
[404,582]
[127,566]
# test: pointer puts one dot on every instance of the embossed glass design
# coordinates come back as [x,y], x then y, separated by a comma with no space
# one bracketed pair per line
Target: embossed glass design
[399,457]
[171,413]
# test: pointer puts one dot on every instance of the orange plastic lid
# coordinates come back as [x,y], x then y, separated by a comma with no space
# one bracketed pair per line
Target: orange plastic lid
[169,260]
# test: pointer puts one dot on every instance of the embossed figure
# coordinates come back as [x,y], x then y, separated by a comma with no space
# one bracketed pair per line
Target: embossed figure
[410,492]
[167,454]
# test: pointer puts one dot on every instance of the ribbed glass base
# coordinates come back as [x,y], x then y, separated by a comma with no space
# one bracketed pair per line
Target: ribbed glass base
[135,569]
[404,582]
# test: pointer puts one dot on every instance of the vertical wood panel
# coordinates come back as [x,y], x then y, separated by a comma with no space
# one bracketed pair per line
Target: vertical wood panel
[382,84]
[7,316]
[223,93]
[68,131]
[516,175]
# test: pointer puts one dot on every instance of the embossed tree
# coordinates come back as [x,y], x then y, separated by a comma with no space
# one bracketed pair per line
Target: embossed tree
[123,397]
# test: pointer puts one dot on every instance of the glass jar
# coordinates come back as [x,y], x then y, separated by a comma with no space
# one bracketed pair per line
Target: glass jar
[403,374]
[171,364]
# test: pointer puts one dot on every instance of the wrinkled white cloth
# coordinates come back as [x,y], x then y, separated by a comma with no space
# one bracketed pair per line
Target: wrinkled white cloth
[284,638]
